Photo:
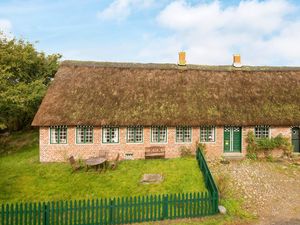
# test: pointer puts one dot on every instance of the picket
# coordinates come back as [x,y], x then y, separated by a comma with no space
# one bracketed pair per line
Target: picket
[111,211]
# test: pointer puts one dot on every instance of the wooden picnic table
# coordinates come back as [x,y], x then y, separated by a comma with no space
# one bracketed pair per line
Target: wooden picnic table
[96,162]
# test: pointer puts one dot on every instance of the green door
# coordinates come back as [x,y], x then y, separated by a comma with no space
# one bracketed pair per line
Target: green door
[295,139]
[232,139]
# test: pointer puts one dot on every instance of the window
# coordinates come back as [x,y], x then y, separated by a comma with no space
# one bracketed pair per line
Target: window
[110,135]
[262,131]
[134,134]
[84,134]
[159,134]
[58,135]
[128,156]
[207,134]
[183,134]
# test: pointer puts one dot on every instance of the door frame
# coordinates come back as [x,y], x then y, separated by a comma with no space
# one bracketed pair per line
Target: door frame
[231,139]
[293,139]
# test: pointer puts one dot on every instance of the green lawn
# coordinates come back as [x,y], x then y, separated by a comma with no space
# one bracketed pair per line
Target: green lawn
[23,178]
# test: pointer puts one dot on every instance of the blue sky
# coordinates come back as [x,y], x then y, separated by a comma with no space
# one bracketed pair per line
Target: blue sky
[263,32]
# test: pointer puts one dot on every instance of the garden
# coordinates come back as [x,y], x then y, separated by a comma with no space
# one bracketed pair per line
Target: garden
[24,178]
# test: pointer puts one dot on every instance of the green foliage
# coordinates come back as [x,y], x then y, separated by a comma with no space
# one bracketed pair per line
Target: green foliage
[251,156]
[202,147]
[185,151]
[24,76]
[266,145]
[230,198]
[18,141]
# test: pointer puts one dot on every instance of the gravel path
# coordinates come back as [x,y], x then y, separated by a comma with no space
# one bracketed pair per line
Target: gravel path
[271,189]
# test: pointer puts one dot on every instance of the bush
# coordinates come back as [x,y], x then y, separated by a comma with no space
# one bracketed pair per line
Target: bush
[185,151]
[202,147]
[252,156]
[266,145]
[223,182]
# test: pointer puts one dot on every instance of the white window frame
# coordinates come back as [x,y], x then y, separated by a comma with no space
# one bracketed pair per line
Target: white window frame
[133,132]
[213,135]
[87,133]
[110,130]
[260,133]
[60,132]
[184,130]
[159,129]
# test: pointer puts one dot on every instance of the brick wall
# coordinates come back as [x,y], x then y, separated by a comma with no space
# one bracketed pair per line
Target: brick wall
[61,152]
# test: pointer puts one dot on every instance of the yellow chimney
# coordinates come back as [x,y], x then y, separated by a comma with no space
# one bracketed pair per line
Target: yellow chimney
[237,60]
[182,61]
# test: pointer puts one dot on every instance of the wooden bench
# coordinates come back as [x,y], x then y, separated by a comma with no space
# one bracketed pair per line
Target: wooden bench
[155,152]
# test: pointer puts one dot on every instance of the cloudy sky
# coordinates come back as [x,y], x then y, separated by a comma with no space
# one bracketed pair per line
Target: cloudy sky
[263,32]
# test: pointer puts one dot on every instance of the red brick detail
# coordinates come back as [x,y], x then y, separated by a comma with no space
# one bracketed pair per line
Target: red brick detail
[61,152]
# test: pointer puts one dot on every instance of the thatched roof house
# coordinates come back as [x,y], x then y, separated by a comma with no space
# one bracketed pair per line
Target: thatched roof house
[92,93]
[107,107]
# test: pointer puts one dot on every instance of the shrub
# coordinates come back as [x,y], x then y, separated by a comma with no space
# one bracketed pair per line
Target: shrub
[202,147]
[223,182]
[266,145]
[185,151]
[252,156]
[251,147]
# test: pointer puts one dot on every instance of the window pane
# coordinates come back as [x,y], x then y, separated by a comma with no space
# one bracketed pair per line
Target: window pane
[106,135]
[154,134]
[88,135]
[114,135]
[210,134]
[54,135]
[188,134]
[163,134]
[203,134]
[261,132]
[63,135]
[138,134]
[130,134]
[207,134]
[179,134]
[80,135]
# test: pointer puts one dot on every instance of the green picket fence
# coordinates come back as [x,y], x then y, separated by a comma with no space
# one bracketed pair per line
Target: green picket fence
[117,210]
[209,181]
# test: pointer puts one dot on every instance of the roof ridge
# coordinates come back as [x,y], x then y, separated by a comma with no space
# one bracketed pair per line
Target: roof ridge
[77,63]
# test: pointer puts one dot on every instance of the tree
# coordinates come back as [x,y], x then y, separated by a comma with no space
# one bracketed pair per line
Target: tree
[25,74]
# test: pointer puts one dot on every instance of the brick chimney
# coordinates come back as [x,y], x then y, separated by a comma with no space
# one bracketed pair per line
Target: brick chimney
[182,61]
[237,60]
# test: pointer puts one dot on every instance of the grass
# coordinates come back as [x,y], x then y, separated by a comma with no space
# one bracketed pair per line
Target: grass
[24,178]
[18,141]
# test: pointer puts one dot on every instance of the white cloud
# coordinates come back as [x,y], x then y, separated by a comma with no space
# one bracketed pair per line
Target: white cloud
[120,9]
[264,32]
[5,27]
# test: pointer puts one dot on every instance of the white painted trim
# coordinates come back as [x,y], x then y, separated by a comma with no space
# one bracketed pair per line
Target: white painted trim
[182,143]
[133,143]
[84,144]
[49,137]
[110,143]
[208,142]
[160,143]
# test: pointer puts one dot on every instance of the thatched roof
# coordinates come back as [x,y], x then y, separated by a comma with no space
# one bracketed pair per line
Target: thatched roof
[92,93]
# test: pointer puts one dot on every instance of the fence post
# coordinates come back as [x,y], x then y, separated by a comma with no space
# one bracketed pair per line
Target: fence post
[111,205]
[165,207]
[46,214]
